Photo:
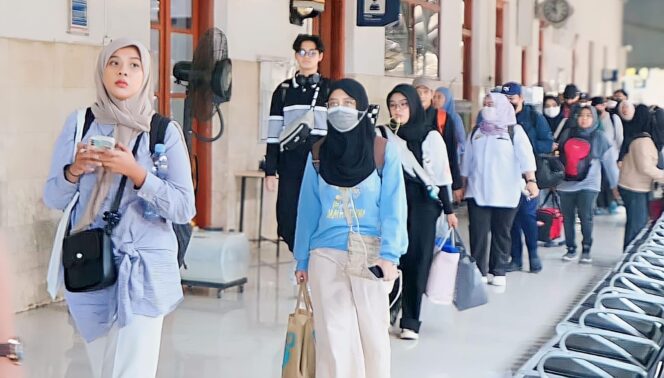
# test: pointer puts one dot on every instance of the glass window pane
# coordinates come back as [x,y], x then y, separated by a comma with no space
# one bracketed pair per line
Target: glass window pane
[154,54]
[155,104]
[181,14]
[154,10]
[181,49]
[411,45]
[177,109]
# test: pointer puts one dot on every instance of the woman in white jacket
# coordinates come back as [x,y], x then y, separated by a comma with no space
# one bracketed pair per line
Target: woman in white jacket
[498,157]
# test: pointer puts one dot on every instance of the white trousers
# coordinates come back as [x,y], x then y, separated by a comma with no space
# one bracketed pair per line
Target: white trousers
[351,320]
[128,352]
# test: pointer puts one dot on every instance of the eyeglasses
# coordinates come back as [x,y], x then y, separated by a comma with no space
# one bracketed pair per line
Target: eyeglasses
[309,53]
[350,103]
[398,105]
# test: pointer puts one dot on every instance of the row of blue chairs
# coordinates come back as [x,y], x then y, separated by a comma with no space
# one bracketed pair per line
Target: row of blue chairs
[617,330]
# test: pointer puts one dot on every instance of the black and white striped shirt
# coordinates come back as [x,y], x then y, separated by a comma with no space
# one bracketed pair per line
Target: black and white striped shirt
[290,101]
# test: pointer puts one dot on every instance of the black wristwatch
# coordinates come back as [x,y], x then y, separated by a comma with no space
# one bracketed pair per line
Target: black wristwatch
[531,180]
[13,350]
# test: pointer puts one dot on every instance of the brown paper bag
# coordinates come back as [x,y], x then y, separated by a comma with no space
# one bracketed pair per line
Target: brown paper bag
[299,351]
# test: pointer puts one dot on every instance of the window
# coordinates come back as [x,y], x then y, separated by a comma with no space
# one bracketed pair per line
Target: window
[411,45]
[172,39]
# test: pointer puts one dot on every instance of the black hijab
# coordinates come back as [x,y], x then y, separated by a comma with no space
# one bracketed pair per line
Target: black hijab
[555,121]
[346,159]
[634,128]
[657,127]
[416,129]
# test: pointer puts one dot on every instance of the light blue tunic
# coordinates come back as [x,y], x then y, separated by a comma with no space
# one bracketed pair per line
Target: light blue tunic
[145,251]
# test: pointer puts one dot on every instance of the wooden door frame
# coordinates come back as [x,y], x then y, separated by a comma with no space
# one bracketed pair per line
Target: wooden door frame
[202,14]
[330,26]
[467,35]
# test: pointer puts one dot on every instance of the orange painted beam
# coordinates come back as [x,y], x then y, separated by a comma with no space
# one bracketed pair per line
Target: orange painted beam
[330,25]
[203,151]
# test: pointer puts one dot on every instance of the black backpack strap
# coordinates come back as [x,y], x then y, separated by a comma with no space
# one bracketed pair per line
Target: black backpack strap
[510,131]
[380,144]
[284,89]
[315,154]
[89,118]
[472,133]
[158,126]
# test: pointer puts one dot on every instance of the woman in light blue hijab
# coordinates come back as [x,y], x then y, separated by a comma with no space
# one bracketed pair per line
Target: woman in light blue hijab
[445,97]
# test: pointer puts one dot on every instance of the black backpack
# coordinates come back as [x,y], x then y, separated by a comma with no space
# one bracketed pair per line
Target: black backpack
[158,126]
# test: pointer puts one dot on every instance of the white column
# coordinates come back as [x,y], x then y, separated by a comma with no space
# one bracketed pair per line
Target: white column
[484,44]
[511,48]
[532,52]
[450,24]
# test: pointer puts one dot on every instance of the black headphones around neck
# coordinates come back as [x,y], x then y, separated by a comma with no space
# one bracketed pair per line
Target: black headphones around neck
[307,80]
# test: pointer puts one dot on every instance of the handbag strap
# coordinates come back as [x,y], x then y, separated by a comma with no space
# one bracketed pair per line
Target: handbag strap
[303,296]
[112,217]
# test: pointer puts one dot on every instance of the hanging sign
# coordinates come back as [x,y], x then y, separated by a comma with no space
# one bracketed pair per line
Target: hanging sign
[377,12]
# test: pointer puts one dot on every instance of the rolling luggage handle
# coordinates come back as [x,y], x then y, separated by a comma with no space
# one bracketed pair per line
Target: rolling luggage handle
[555,200]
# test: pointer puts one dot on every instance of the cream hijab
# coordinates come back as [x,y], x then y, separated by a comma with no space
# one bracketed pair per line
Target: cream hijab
[130,117]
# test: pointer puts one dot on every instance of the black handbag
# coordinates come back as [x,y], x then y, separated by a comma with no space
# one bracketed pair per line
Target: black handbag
[87,256]
[550,171]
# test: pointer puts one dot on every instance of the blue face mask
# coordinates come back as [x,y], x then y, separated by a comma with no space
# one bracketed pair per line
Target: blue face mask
[344,119]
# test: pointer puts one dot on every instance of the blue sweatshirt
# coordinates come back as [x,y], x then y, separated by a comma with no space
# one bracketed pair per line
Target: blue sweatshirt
[380,204]
[537,129]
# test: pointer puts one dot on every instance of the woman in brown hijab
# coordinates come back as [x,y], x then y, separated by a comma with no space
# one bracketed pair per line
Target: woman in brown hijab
[122,323]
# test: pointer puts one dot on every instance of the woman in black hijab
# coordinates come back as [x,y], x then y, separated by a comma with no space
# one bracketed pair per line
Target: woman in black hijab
[635,120]
[349,236]
[416,138]
[640,168]
[552,113]
[347,156]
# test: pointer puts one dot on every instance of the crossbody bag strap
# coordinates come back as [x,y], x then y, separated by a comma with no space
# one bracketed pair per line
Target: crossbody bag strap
[313,102]
[559,129]
[112,217]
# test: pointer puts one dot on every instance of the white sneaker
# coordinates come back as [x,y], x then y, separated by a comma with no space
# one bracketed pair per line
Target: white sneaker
[485,279]
[499,281]
[407,334]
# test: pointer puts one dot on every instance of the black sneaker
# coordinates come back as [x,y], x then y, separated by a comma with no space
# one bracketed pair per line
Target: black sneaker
[585,256]
[512,267]
[570,255]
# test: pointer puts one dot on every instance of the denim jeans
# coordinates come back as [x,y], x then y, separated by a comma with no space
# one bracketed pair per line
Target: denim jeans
[636,206]
[583,203]
[526,221]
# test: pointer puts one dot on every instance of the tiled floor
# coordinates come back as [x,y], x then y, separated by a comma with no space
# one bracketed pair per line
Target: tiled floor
[241,335]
